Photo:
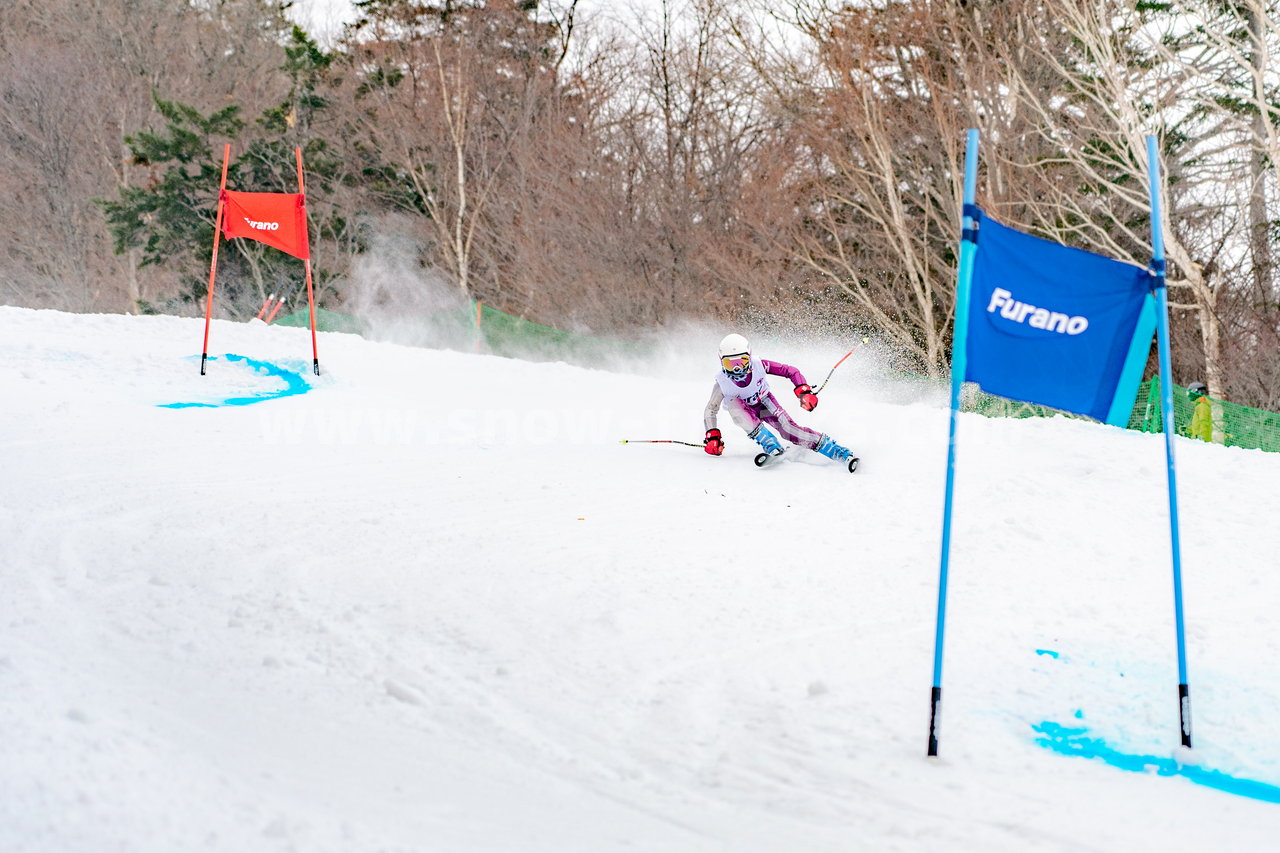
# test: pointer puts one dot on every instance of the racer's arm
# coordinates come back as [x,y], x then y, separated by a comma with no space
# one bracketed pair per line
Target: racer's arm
[777,368]
[808,399]
[713,407]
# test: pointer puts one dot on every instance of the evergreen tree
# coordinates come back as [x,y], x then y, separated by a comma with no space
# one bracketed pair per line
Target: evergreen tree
[171,218]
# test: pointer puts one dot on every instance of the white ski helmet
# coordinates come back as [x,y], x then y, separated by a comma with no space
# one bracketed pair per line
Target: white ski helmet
[734,345]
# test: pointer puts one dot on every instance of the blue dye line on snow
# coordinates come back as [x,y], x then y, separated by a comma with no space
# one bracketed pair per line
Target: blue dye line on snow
[1048,652]
[293,381]
[1069,741]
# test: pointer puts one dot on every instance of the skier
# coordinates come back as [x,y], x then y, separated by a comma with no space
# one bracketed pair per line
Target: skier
[743,385]
[1202,416]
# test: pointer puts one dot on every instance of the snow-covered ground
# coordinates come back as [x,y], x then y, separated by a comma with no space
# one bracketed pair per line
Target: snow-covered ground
[433,604]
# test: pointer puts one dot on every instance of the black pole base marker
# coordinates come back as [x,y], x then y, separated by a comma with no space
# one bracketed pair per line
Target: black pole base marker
[202,359]
[935,709]
[1184,713]
[316,362]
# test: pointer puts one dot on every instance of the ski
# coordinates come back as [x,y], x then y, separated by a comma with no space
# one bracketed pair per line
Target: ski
[764,460]
[850,462]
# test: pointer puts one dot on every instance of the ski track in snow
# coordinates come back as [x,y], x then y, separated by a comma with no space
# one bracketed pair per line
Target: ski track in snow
[434,605]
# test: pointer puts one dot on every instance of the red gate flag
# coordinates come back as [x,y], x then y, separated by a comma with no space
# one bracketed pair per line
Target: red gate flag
[277,219]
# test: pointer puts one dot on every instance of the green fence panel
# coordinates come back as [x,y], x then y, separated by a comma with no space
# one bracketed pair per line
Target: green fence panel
[1233,425]
[992,406]
[499,332]
[482,328]
[518,338]
[326,321]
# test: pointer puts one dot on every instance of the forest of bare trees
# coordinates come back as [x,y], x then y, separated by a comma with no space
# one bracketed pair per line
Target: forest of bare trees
[611,172]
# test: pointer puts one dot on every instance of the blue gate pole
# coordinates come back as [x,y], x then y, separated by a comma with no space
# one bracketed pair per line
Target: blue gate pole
[959,337]
[1166,406]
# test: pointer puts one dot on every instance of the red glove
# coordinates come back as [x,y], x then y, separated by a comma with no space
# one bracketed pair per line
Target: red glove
[808,399]
[712,443]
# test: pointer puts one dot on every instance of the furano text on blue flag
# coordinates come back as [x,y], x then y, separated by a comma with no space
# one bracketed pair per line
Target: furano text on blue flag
[1033,316]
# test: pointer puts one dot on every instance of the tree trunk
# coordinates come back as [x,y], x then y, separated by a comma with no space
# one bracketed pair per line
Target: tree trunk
[1259,244]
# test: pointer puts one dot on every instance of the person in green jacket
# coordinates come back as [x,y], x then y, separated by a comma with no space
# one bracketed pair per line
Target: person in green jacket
[1202,417]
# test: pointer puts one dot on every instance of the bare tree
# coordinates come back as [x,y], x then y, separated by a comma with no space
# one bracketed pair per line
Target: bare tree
[697,141]
[447,92]
[1224,55]
[77,78]
[1225,51]
[1117,96]
[875,109]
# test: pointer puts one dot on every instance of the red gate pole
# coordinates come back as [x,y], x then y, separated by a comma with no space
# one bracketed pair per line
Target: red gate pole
[213,265]
[311,299]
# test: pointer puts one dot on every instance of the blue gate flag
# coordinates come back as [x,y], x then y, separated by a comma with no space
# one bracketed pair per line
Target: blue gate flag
[1056,326]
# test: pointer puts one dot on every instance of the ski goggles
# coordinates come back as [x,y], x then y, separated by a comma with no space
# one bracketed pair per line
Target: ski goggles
[736,364]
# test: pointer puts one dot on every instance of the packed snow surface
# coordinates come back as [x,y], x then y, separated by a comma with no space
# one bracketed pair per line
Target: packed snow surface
[427,601]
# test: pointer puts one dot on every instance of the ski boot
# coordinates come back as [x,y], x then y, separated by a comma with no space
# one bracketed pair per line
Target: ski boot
[828,448]
[768,442]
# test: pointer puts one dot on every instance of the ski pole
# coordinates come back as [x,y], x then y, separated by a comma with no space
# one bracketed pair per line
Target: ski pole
[658,441]
[275,310]
[818,390]
[263,309]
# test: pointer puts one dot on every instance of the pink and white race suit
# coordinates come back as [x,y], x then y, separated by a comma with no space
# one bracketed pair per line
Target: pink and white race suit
[753,403]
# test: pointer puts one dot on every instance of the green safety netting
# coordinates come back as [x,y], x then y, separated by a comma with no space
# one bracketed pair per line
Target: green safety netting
[518,338]
[486,329]
[992,406]
[326,321]
[483,328]
[1232,425]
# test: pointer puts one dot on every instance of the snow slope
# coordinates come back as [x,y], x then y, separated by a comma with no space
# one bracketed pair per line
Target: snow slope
[432,604]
